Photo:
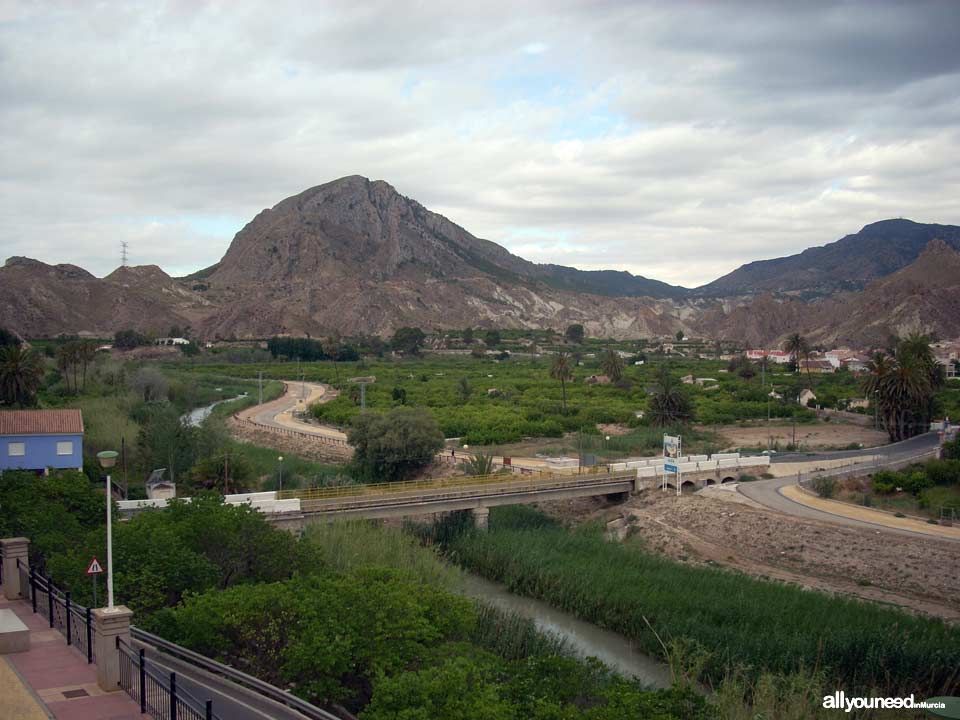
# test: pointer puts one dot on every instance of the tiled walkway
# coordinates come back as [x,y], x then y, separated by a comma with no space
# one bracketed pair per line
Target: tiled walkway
[62,684]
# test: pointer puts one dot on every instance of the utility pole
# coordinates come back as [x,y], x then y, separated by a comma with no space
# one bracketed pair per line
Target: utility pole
[260,385]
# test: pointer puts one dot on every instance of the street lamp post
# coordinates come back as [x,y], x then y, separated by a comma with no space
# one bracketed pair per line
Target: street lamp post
[108,459]
[280,485]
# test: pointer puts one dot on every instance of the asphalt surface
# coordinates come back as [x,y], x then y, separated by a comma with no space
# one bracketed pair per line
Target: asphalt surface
[767,492]
[230,701]
[904,448]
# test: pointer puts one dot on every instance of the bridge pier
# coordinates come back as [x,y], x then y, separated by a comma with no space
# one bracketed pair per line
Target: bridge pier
[481,517]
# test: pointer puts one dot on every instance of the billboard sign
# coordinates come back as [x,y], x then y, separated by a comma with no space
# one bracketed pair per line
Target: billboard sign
[671,446]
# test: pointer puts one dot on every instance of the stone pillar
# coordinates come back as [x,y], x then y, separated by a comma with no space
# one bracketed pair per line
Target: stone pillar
[108,625]
[481,517]
[12,549]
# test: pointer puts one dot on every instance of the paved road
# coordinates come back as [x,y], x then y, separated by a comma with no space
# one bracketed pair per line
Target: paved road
[768,492]
[230,701]
[905,448]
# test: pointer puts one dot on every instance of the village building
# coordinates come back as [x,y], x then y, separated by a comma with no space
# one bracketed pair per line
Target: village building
[39,440]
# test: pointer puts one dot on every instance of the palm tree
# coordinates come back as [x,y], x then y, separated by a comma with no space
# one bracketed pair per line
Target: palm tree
[799,348]
[904,393]
[879,365]
[612,364]
[669,404]
[561,370]
[479,463]
[21,372]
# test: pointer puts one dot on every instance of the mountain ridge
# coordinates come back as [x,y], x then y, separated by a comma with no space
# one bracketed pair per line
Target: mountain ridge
[355,256]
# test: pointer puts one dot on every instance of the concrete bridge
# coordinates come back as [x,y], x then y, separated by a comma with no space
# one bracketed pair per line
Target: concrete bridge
[294,509]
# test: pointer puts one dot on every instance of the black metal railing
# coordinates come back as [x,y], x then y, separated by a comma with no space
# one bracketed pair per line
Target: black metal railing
[72,620]
[264,689]
[157,691]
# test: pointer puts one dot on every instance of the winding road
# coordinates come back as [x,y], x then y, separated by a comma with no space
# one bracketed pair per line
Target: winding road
[780,494]
[783,495]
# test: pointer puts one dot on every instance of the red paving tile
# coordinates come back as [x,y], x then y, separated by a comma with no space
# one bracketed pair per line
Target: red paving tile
[51,663]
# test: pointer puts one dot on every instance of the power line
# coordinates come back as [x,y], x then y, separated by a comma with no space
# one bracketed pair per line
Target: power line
[123,253]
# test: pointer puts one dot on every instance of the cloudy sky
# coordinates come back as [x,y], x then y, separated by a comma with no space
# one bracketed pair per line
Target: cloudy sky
[673,140]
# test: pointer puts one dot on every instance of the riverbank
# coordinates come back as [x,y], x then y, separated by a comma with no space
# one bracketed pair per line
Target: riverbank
[736,619]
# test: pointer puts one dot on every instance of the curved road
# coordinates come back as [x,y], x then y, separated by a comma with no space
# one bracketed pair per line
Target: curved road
[770,492]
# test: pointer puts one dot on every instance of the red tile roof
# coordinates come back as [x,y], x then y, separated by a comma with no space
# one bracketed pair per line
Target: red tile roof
[40,422]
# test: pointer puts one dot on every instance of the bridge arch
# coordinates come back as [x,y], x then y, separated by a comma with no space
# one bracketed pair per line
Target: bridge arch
[709,481]
[727,479]
[687,485]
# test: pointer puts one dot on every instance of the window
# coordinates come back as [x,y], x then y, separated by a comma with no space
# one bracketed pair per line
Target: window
[16,449]
[65,448]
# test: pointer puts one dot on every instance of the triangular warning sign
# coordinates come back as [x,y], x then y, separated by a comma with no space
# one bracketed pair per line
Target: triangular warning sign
[94,568]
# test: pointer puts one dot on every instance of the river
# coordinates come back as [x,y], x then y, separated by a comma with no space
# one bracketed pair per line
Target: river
[587,639]
[196,416]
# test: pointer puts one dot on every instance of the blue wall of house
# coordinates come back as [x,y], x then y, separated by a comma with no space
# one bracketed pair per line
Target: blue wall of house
[40,451]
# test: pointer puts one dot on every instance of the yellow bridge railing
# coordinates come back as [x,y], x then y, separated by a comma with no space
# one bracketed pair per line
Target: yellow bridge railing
[412,486]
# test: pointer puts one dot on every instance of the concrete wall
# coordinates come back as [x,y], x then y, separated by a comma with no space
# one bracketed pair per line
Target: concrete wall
[40,452]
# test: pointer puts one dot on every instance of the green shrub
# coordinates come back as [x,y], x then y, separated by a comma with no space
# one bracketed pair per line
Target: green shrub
[825,487]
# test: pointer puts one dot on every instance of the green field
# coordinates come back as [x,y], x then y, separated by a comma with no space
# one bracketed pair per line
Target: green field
[506,401]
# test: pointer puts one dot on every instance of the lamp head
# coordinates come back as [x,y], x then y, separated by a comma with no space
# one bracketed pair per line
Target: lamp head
[107,458]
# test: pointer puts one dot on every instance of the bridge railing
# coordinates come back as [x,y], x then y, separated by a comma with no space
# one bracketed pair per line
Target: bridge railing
[213,667]
[458,481]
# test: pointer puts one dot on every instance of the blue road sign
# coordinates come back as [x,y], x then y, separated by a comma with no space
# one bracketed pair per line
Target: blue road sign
[670,468]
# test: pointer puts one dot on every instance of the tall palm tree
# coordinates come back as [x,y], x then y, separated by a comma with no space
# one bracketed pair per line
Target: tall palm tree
[562,370]
[669,404]
[612,364]
[799,349]
[878,367]
[905,392]
[21,372]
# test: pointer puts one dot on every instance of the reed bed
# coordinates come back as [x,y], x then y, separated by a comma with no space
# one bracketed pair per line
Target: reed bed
[742,622]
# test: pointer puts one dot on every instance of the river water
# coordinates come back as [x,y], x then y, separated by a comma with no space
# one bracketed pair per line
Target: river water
[587,639]
[196,416]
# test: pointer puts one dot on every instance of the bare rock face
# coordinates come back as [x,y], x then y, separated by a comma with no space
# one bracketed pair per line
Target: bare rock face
[921,297]
[354,256]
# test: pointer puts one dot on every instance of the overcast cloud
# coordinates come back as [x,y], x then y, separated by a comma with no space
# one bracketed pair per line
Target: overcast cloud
[676,141]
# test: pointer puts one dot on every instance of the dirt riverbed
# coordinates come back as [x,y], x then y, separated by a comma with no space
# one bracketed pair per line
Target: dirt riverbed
[918,574]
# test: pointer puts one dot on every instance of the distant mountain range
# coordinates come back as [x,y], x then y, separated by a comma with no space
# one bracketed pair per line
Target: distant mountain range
[354,256]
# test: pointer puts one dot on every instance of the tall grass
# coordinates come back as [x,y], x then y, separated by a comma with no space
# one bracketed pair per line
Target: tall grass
[342,546]
[761,626]
[106,420]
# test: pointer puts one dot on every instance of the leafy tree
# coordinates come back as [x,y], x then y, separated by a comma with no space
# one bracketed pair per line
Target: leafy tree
[297,348]
[129,339]
[679,335]
[669,405]
[574,333]
[408,340]
[329,636]
[161,556]
[743,367]
[223,473]
[468,336]
[460,688]
[21,372]
[164,440]
[562,371]
[612,364]
[399,395]
[150,384]
[394,445]
[55,511]
[8,338]
[492,338]
[464,389]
